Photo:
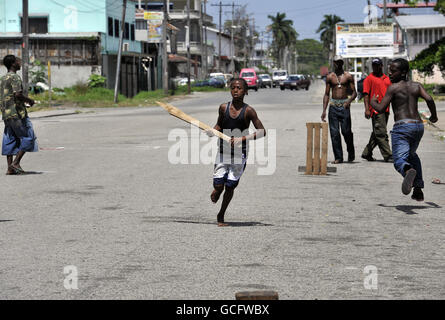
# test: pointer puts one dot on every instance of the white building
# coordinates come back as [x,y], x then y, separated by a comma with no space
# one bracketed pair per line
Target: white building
[415,33]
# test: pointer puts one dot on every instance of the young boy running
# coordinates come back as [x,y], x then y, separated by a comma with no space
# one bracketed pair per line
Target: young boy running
[233,120]
[408,127]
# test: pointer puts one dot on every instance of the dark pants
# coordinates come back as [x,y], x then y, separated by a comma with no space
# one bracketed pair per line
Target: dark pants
[379,136]
[405,141]
[340,117]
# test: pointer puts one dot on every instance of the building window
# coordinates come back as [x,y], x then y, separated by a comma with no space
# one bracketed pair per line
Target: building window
[141,25]
[430,36]
[127,31]
[110,26]
[116,28]
[440,33]
[132,37]
[36,25]
[416,36]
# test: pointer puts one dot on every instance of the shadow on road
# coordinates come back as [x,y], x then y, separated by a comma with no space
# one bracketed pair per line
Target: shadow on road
[410,209]
[6,221]
[231,224]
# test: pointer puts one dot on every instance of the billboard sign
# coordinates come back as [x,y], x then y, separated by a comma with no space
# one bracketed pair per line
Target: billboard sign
[154,22]
[365,40]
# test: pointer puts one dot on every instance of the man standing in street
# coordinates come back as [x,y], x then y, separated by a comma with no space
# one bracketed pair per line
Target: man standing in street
[18,136]
[339,109]
[376,84]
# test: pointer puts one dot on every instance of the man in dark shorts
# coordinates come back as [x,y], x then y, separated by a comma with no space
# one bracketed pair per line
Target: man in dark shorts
[408,127]
[18,136]
[376,84]
[339,109]
[234,119]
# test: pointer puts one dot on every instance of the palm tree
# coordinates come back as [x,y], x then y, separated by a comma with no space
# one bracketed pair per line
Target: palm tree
[327,28]
[284,35]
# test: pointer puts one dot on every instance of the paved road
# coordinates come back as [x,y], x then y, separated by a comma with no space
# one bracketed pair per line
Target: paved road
[104,198]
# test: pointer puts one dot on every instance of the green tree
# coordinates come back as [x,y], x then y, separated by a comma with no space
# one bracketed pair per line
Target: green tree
[284,37]
[327,29]
[430,57]
[311,56]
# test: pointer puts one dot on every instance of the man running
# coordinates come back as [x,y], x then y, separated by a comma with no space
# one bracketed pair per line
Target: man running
[233,120]
[339,109]
[408,127]
[18,137]
[376,84]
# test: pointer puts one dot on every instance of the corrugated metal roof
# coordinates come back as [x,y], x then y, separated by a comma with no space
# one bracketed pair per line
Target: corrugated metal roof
[421,21]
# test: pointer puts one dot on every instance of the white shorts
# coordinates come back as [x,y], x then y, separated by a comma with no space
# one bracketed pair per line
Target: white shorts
[228,174]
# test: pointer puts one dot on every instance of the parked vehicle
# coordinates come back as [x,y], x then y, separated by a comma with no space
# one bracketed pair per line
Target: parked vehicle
[278,76]
[184,81]
[217,82]
[266,80]
[304,82]
[251,78]
[290,83]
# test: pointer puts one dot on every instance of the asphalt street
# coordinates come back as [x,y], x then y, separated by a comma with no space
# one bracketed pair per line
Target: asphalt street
[103,202]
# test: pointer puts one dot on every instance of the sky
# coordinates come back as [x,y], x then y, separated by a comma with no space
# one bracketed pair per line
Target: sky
[306,14]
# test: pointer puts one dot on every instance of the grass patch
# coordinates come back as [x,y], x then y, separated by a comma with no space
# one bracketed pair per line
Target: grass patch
[81,95]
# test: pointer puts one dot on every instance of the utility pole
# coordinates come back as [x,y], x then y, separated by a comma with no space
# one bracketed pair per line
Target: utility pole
[385,61]
[219,38]
[119,53]
[201,39]
[25,47]
[164,51]
[206,62]
[188,46]
[220,5]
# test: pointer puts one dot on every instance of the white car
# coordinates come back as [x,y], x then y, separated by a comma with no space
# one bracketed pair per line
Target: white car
[279,76]
[184,81]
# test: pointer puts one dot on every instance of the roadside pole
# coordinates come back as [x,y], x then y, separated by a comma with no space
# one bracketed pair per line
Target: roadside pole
[49,83]
[188,47]
[385,61]
[164,51]
[119,54]
[25,47]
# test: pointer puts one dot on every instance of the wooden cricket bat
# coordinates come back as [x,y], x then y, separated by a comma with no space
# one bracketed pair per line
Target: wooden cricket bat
[185,117]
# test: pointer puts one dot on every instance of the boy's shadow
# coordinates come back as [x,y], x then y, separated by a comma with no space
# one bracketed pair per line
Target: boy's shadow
[230,224]
[410,209]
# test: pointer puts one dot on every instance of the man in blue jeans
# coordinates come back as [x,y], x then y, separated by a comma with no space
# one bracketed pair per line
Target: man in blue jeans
[408,126]
[339,110]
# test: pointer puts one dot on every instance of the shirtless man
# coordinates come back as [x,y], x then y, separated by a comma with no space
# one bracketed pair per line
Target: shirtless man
[233,120]
[339,109]
[408,127]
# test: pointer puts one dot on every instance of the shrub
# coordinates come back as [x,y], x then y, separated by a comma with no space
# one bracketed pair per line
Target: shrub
[96,81]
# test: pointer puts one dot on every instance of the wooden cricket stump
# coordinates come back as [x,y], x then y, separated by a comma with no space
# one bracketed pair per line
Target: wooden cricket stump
[256,295]
[317,148]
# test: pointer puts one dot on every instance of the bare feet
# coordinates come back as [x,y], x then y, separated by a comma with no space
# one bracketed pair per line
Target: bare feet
[222,224]
[337,161]
[16,169]
[10,172]
[215,196]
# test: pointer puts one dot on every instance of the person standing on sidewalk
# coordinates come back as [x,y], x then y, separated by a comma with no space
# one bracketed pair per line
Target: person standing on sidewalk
[376,84]
[408,128]
[18,136]
[339,109]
